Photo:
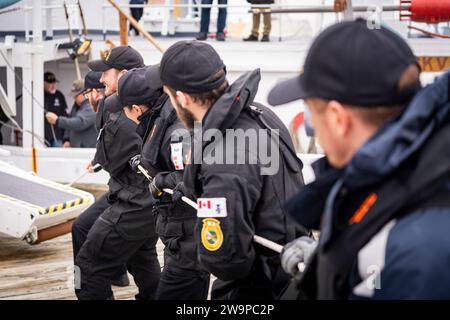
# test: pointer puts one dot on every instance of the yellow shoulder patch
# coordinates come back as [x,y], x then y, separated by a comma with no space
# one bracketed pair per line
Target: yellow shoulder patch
[212,235]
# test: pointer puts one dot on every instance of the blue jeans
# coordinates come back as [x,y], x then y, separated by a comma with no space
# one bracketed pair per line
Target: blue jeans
[206,13]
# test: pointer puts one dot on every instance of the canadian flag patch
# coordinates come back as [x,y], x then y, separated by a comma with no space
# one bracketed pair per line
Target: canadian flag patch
[176,153]
[212,207]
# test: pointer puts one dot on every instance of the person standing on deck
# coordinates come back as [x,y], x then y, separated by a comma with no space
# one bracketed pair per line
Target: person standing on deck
[79,127]
[267,20]
[221,21]
[137,13]
[54,102]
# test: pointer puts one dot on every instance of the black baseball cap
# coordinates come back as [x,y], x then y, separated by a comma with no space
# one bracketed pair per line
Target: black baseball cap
[123,57]
[50,77]
[353,64]
[132,89]
[92,81]
[187,66]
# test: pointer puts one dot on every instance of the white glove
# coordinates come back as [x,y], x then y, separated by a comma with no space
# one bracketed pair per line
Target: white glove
[295,252]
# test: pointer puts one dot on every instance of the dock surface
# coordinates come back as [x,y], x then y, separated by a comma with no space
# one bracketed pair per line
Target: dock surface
[45,271]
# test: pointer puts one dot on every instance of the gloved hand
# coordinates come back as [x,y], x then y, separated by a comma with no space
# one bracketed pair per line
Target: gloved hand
[93,168]
[295,252]
[135,162]
[160,181]
[139,160]
[181,191]
[156,192]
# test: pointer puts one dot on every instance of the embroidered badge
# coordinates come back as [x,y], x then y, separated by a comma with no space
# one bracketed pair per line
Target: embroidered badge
[212,207]
[176,153]
[212,235]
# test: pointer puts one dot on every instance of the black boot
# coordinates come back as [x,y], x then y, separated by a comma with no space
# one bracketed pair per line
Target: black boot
[121,281]
[202,36]
[251,37]
[265,38]
[220,37]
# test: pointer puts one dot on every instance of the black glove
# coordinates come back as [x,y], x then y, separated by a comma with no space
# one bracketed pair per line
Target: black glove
[180,191]
[154,190]
[135,162]
[160,181]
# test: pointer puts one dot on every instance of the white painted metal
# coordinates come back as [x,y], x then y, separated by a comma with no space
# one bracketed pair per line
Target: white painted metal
[37,70]
[57,164]
[8,96]
[4,153]
[20,220]
[10,75]
[277,61]
[16,219]
[49,20]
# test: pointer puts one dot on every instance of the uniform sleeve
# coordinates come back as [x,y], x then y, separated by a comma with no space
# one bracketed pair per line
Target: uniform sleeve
[226,243]
[414,275]
[174,134]
[417,256]
[66,135]
[121,146]
[83,120]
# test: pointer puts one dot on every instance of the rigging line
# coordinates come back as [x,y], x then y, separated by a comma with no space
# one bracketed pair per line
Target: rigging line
[41,139]
[20,81]
[10,10]
[27,90]
[432,34]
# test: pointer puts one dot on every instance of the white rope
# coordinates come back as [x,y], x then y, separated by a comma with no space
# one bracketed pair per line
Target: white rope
[268,244]
[83,175]
[258,239]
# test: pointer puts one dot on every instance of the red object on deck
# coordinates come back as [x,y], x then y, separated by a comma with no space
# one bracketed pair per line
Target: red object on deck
[429,11]
[298,120]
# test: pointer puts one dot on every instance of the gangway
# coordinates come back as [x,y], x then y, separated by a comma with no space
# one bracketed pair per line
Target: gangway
[36,209]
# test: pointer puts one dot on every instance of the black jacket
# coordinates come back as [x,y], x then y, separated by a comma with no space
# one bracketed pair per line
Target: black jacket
[55,103]
[385,216]
[254,202]
[175,221]
[102,114]
[130,198]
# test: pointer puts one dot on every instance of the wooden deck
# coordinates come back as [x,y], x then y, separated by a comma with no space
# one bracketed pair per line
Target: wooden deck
[44,271]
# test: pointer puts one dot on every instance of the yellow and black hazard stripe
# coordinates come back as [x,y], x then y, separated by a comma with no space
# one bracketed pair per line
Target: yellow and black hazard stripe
[65,205]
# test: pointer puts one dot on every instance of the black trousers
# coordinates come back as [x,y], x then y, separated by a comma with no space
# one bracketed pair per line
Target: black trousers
[105,251]
[137,15]
[178,283]
[84,223]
